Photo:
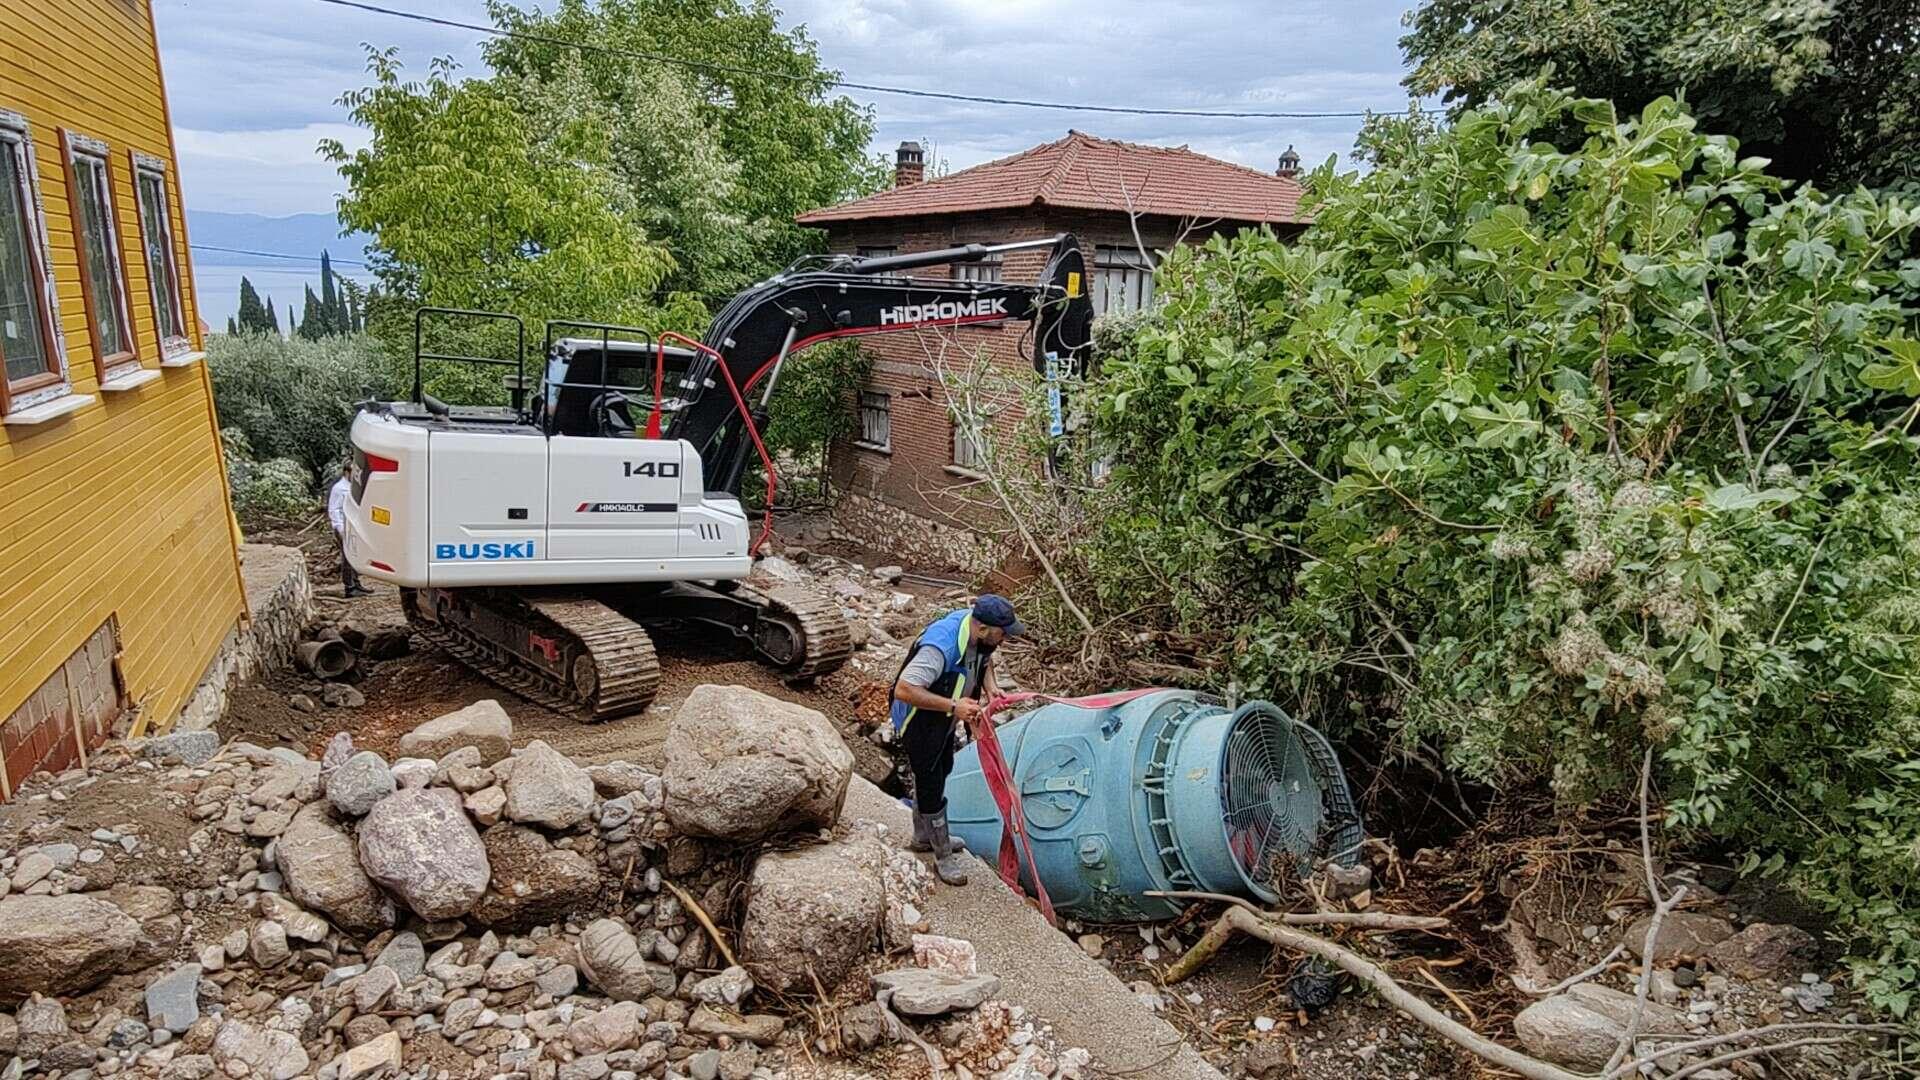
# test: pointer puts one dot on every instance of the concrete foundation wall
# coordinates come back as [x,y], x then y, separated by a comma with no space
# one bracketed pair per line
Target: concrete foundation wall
[279,606]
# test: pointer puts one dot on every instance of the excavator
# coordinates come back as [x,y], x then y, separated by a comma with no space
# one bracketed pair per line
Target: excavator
[544,541]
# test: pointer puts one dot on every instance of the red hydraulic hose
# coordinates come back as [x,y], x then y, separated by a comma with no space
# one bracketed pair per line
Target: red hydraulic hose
[746,417]
[1014,842]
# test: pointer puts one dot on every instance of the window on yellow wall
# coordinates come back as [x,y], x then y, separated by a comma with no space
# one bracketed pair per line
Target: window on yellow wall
[30,350]
[156,239]
[103,278]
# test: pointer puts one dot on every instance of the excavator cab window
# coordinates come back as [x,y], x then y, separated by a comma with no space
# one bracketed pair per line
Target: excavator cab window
[603,386]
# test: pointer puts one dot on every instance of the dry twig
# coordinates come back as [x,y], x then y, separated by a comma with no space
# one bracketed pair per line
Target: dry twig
[706,921]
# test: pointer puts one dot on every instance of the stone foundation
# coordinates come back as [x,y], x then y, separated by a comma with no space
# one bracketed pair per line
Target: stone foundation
[873,523]
[279,607]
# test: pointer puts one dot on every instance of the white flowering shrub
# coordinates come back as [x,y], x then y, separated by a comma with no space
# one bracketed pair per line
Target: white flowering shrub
[1544,456]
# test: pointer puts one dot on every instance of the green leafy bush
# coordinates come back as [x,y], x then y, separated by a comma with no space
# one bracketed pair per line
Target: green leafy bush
[292,399]
[1543,456]
[281,487]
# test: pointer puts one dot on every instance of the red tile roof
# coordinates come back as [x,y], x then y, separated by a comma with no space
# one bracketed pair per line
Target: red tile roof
[1085,173]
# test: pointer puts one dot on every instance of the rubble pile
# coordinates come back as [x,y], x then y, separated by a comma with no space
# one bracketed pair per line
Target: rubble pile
[473,909]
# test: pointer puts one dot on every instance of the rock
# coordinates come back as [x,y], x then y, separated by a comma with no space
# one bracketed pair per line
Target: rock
[704,1065]
[617,778]
[615,813]
[1765,951]
[863,1027]
[371,1060]
[1093,945]
[414,772]
[548,789]
[483,724]
[127,1033]
[924,992]
[173,999]
[889,574]
[726,988]
[41,1025]
[1580,1028]
[1344,882]
[30,869]
[816,907]
[419,843]
[715,1022]
[1683,934]
[951,955]
[60,944]
[362,781]
[559,981]
[532,881]
[188,1067]
[342,696]
[303,703]
[467,779]
[322,870]
[487,805]
[153,907]
[339,749]
[190,747]
[364,1029]
[276,1055]
[509,970]
[299,923]
[611,959]
[461,1015]
[616,1027]
[742,765]
[405,955]
[373,988]
[268,944]
[269,824]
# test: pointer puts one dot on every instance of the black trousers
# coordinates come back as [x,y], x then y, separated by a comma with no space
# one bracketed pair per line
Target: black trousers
[928,741]
[349,577]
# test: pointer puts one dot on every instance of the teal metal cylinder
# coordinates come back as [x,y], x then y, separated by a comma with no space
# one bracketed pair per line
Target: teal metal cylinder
[1170,791]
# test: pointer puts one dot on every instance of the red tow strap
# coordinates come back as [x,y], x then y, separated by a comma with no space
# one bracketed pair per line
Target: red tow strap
[1014,842]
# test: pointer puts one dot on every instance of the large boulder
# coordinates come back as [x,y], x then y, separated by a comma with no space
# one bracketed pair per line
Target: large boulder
[533,882]
[274,1055]
[611,959]
[155,908]
[547,789]
[322,871]
[419,844]
[815,909]
[360,782]
[742,765]
[1772,951]
[1683,935]
[60,944]
[483,724]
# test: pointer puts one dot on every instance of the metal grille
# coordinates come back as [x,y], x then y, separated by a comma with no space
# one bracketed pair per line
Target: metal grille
[1286,802]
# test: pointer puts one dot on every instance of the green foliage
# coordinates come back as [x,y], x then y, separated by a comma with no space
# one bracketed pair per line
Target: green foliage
[1825,88]
[292,399]
[253,313]
[277,488]
[1544,456]
[812,406]
[717,162]
[470,206]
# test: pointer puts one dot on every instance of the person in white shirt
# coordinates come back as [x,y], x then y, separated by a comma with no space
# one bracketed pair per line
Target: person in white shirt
[337,516]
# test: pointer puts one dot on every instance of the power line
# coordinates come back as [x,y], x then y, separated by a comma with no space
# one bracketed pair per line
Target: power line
[730,69]
[274,254]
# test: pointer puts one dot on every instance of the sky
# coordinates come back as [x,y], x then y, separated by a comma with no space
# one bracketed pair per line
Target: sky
[253,85]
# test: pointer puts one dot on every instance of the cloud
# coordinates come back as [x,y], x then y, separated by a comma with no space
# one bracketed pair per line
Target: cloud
[253,85]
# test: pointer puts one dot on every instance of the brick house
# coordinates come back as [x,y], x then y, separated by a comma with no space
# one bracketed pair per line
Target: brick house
[896,479]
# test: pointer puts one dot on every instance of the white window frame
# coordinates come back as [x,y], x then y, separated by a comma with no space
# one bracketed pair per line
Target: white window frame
[1122,279]
[876,418]
[148,167]
[86,151]
[16,138]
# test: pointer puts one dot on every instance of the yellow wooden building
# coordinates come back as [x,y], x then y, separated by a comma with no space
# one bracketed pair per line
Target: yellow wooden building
[119,570]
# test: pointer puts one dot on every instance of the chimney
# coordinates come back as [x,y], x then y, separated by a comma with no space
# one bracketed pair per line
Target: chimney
[909,165]
[1289,164]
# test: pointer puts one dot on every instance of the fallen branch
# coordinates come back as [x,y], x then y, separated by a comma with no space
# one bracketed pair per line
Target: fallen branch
[1661,907]
[1708,1042]
[1359,920]
[1570,981]
[1427,974]
[706,921]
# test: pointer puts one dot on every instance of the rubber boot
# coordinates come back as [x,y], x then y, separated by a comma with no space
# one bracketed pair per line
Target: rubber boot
[922,834]
[949,858]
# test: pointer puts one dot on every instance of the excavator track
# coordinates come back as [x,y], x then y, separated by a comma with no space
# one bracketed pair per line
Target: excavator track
[600,664]
[825,642]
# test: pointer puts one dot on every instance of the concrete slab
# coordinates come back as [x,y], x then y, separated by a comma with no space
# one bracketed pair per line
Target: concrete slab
[1042,969]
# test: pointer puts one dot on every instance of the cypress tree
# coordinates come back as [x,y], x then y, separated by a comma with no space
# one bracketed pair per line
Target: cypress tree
[231,329]
[331,304]
[315,322]
[253,314]
[273,321]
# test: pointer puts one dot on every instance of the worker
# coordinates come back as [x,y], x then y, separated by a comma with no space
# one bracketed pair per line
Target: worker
[337,516]
[938,690]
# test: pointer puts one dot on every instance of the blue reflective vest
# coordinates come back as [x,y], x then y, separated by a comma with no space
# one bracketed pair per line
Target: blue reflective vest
[951,634]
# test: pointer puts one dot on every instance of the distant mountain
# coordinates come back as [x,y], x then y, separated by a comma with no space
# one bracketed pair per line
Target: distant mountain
[304,235]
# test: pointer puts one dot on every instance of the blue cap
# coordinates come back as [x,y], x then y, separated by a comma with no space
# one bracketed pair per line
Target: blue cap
[993,610]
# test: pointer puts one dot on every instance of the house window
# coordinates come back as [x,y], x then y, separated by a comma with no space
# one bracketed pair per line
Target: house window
[156,240]
[876,420]
[987,269]
[865,252]
[1122,279]
[102,276]
[29,342]
[969,451]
